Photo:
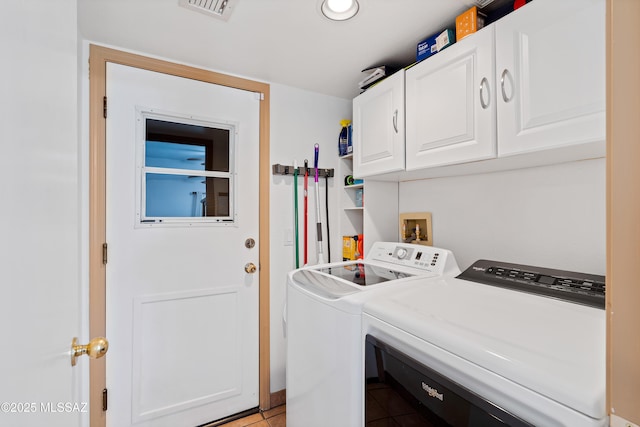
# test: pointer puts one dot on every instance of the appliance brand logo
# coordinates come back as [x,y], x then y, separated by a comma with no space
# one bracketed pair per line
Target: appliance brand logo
[479,269]
[432,392]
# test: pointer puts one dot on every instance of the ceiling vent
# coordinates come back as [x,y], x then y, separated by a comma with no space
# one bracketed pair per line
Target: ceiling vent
[481,3]
[220,9]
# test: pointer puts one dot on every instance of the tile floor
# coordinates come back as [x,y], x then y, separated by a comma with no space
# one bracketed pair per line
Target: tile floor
[275,417]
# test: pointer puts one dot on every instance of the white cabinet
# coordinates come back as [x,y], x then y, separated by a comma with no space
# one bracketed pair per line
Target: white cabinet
[550,60]
[378,128]
[550,64]
[450,101]
[527,90]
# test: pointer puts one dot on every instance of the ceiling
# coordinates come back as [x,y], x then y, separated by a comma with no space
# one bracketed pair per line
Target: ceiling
[277,41]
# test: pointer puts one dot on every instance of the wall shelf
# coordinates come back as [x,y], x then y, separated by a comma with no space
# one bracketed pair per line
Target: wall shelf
[349,187]
[377,219]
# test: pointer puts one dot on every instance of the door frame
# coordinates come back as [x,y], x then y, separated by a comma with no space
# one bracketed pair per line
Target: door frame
[99,56]
[623,210]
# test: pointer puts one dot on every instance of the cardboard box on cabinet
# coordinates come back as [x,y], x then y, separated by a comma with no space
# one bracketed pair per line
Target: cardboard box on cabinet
[469,22]
[434,44]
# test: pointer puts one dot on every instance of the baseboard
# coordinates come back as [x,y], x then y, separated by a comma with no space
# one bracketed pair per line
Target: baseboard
[278,398]
[231,418]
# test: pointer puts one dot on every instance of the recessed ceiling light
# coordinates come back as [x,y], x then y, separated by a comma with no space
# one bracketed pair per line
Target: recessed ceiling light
[339,10]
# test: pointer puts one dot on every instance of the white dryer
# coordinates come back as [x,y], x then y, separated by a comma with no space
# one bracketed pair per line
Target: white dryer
[324,371]
[501,344]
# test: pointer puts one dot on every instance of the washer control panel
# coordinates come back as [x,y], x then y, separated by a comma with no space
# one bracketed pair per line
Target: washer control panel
[426,258]
[582,288]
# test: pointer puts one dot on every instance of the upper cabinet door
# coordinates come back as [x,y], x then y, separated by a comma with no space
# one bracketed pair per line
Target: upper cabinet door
[550,64]
[451,104]
[378,128]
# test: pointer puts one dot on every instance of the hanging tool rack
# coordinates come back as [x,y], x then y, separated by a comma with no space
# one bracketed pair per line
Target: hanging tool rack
[279,169]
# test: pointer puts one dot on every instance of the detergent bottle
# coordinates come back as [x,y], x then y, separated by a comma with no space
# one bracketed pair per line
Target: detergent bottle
[344,138]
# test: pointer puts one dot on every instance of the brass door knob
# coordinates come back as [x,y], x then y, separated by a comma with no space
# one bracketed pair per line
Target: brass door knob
[250,268]
[96,348]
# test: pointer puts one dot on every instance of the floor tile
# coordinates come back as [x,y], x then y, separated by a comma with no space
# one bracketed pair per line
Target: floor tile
[277,421]
[275,411]
[251,420]
[275,417]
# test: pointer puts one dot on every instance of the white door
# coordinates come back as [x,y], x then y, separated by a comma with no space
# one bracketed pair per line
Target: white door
[182,312]
[378,128]
[451,105]
[550,60]
[40,238]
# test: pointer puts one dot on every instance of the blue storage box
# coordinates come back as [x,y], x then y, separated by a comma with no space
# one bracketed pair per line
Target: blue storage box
[434,44]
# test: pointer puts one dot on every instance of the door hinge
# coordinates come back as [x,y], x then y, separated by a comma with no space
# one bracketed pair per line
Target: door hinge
[105,397]
[259,96]
[104,107]
[105,250]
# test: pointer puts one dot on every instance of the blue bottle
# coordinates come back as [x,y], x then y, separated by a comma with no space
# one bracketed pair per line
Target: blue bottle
[344,138]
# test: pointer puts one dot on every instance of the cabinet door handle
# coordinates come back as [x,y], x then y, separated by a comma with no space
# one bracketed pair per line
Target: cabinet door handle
[395,120]
[485,83]
[507,74]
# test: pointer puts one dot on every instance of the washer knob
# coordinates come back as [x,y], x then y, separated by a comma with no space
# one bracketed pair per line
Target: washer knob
[401,253]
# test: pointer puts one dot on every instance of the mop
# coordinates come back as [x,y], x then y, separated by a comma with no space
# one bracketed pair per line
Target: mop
[318,218]
[306,210]
[295,208]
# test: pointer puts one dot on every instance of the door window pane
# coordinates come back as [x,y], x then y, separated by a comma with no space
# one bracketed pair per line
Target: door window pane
[177,196]
[186,146]
[172,155]
[217,198]
[186,172]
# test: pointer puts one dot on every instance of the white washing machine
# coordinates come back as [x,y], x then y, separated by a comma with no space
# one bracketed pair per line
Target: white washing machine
[324,322]
[501,344]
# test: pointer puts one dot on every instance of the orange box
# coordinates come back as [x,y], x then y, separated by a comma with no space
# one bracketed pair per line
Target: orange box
[469,22]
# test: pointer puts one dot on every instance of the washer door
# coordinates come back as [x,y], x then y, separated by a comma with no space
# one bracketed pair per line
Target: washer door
[401,388]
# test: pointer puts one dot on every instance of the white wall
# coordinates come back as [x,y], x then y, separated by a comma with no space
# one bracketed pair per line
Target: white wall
[552,216]
[299,119]
[39,227]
